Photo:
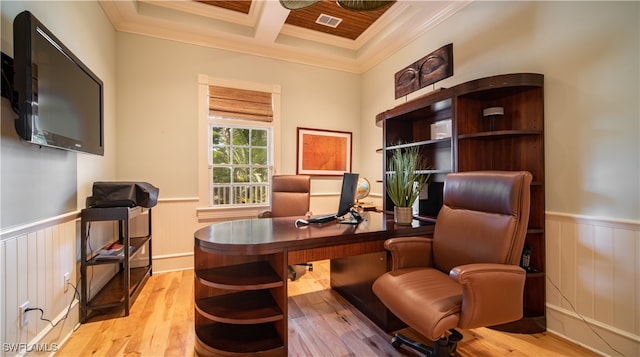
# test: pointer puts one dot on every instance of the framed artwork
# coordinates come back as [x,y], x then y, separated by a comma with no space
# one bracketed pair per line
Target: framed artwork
[323,152]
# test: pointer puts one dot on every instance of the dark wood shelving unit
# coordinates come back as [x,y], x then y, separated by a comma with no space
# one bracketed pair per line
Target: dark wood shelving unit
[512,141]
[122,289]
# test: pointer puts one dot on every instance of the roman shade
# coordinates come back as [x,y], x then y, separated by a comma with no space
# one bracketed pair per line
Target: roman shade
[240,103]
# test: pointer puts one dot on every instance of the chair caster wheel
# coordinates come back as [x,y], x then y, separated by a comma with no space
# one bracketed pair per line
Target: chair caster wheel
[396,343]
[453,347]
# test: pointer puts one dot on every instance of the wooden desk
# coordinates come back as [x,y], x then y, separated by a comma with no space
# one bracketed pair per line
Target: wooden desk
[241,275]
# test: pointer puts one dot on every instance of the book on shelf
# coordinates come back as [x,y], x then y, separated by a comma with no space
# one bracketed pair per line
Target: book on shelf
[112,251]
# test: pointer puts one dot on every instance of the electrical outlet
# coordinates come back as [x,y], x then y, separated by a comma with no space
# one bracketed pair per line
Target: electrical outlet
[67,277]
[23,314]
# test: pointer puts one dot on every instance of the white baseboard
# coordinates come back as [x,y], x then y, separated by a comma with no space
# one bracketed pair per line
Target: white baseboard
[172,262]
[603,339]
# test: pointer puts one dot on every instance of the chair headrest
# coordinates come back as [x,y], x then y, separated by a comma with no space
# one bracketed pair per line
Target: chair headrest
[486,191]
[291,183]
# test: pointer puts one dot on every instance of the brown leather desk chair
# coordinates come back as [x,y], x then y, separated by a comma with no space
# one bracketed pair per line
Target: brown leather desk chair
[467,275]
[290,196]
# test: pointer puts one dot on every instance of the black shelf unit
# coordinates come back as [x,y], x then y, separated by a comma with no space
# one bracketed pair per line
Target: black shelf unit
[126,284]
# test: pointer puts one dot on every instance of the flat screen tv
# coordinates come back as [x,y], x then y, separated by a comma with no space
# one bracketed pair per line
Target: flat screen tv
[60,101]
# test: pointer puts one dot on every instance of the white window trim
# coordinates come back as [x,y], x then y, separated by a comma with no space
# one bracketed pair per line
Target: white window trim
[204,211]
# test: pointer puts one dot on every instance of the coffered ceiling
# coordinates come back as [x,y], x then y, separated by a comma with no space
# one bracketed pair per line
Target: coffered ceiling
[266,28]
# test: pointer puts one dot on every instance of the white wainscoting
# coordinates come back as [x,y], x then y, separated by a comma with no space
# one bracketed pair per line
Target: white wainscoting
[174,222]
[34,261]
[593,282]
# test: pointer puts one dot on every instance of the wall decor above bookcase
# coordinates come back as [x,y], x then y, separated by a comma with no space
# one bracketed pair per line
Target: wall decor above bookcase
[428,70]
[496,123]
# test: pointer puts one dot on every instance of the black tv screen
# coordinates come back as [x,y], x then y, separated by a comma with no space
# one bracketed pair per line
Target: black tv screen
[60,100]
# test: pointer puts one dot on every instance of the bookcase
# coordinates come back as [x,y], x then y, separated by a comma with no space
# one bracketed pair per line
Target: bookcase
[132,273]
[513,140]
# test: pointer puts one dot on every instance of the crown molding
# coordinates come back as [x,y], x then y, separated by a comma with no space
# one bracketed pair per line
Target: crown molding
[223,29]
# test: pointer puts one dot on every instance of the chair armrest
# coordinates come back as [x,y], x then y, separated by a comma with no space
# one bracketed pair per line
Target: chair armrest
[491,293]
[264,214]
[409,252]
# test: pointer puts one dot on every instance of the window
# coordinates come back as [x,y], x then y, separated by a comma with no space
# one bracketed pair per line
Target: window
[239,163]
[238,146]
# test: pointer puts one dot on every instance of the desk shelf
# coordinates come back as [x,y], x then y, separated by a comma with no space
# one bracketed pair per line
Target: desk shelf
[219,339]
[246,307]
[248,276]
[240,304]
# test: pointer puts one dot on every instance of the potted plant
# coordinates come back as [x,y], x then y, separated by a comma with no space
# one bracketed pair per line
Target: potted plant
[405,181]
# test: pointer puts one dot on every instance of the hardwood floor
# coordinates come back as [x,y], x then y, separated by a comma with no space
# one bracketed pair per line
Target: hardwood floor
[321,323]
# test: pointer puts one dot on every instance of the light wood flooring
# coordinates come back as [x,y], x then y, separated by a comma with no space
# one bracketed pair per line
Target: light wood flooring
[321,323]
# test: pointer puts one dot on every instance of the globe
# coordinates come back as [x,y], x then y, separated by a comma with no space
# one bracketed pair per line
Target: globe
[363,188]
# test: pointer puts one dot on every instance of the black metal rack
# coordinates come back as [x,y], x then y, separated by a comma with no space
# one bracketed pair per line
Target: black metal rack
[127,283]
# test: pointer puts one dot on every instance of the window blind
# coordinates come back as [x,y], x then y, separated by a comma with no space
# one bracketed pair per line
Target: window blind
[240,103]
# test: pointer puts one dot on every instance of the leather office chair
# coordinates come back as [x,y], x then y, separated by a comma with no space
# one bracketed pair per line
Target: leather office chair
[290,196]
[467,275]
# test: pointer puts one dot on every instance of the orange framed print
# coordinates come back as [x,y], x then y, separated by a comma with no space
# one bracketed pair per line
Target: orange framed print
[323,152]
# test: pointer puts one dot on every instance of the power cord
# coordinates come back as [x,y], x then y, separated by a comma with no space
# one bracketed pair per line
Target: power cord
[76,294]
[582,318]
[41,314]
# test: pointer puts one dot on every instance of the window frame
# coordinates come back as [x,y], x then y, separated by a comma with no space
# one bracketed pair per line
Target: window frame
[204,211]
[238,123]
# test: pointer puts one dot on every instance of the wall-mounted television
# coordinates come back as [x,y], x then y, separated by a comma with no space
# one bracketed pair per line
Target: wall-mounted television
[60,100]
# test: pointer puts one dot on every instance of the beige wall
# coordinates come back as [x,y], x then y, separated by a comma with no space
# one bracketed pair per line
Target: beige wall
[157,107]
[589,54]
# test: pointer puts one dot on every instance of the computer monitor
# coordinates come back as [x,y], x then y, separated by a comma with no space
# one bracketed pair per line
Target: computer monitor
[348,193]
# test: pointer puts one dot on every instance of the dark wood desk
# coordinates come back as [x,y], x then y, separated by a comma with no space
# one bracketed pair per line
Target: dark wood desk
[241,275]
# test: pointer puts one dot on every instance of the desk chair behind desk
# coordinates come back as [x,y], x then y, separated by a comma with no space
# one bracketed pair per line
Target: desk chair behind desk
[291,196]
